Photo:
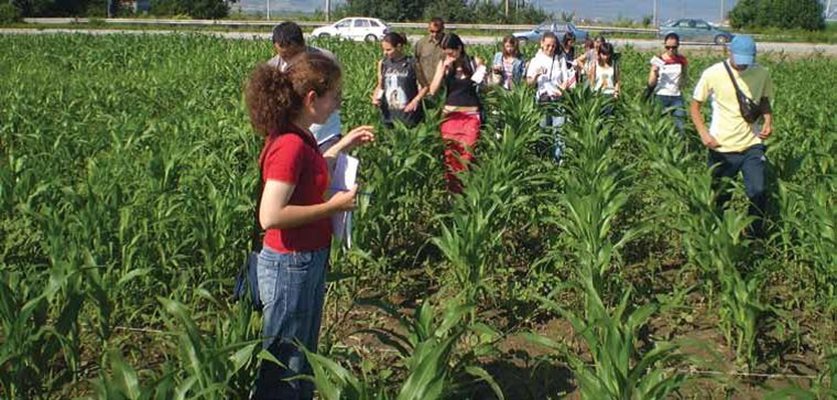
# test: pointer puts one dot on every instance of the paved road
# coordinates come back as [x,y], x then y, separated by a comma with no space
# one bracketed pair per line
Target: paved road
[829,50]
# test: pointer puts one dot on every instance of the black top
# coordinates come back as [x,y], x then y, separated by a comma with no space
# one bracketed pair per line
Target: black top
[462,91]
[569,56]
[399,85]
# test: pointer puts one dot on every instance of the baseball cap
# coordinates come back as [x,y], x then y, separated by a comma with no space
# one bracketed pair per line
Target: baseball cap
[743,49]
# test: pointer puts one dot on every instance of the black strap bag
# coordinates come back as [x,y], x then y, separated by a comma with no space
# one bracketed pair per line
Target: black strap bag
[750,110]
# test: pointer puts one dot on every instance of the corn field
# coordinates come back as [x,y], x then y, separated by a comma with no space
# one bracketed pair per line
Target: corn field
[126,182]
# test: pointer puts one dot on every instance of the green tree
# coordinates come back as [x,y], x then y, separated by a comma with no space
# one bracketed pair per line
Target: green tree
[203,9]
[785,14]
[451,11]
[387,10]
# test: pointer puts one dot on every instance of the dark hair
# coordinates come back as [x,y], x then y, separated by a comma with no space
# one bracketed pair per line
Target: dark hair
[601,39]
[288,34]
[513,40]
[549,35]
[672,35]
[438,21]
[395,39]
[452,41]
[606,48]
[275,97]
[567,37]
[588,43]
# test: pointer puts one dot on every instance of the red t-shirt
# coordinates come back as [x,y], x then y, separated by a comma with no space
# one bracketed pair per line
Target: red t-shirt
[293,157]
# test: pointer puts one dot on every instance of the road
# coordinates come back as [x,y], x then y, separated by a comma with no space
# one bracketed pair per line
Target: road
[829,50]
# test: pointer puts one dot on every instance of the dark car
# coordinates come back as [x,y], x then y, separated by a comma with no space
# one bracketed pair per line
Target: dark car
[559,28]
[695,30]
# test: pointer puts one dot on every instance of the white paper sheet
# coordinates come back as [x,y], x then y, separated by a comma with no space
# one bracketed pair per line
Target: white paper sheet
[344,177]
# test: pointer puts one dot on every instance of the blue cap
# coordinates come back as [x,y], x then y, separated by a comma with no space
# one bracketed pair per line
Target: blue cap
[743,49]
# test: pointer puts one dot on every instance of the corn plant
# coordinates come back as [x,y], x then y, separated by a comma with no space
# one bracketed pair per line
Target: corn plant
[619,370]
[434,367]
[713,241]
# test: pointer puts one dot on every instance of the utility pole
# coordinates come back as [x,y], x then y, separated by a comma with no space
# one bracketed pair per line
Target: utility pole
[328,10]
[723,8]
[507,9]
[656,23]
[268,10]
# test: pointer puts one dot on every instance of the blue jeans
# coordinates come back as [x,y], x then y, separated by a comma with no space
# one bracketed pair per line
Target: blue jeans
[552,123]
[751,162]
[292,287]
[675,106]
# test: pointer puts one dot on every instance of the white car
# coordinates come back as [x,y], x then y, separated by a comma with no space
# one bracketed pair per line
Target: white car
[354,28]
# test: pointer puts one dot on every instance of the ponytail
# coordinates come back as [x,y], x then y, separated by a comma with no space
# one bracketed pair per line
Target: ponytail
[275,97]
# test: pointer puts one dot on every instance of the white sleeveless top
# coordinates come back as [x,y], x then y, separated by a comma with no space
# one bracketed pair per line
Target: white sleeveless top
[605,81]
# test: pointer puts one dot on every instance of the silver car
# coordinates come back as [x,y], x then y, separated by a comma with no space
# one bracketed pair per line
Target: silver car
[695,30]
[559,28]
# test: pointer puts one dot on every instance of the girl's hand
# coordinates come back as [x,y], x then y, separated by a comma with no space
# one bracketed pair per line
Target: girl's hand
[411,106]
[344,200]
[357,137]
[448,62]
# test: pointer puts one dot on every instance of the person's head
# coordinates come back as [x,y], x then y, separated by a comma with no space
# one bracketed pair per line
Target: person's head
[589,44]
[288,40]
[672,43]
[549,43]
[606,54]
[511,47]
[453,46]
[393,45]
[307,92]
[568,41]
[436,28]
[599,41]
[742,51]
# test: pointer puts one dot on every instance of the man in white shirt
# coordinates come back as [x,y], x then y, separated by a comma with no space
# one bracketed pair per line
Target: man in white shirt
[288,43]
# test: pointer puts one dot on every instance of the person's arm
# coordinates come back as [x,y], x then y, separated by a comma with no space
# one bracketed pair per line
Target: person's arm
[767,126]
[532,73]
[653,75]
[356,137]
[414,103]
[276,213]
[700,125]
[376,100]
[591,75]
[580,60]
[436,84]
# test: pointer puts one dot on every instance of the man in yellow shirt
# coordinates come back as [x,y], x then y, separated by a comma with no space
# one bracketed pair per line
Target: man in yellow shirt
[735,144]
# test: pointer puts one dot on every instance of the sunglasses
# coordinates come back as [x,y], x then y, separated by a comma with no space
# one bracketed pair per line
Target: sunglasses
[671,47]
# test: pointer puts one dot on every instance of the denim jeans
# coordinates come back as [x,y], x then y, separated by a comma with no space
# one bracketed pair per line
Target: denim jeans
[675,106]
[292,287]
[552,123]
[751,162]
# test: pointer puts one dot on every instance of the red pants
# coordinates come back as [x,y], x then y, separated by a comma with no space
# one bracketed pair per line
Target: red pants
[460,131]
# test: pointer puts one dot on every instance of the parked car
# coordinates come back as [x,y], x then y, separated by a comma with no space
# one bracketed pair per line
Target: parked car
[354,28]
[559,28]
[694,30]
